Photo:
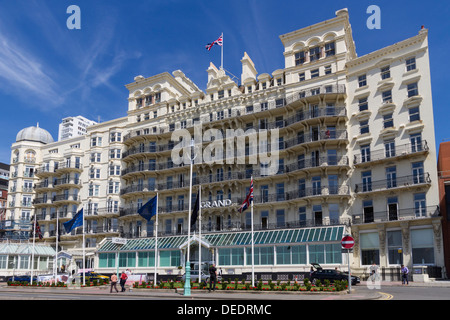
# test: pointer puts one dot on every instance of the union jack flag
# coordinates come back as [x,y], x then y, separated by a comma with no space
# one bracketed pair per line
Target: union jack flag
[218,42]
[38,229]
[248,200]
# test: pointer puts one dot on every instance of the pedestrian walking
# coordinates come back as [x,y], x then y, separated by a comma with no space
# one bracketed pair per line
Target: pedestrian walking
[123,280]
[405,271]
[212,277]
[113,283]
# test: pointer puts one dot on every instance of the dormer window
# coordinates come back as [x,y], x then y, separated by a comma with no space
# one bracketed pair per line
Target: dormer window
[314,54]
[299,58]
[139,103]
[158,97]
[148,100]
[221,94]
[330,49]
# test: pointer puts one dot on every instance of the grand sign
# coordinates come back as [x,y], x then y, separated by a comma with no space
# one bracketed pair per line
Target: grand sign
[216,204]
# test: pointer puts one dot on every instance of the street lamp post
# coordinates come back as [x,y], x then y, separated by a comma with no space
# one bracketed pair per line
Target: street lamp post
[187,284]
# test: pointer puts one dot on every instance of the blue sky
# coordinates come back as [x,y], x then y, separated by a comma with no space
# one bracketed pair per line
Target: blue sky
[48,72]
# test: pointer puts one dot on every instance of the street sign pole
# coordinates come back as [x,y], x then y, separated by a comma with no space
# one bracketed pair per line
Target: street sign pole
[349,276]
[348,242]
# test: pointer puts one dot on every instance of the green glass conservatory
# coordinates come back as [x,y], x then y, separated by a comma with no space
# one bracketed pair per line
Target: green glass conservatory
[287,250]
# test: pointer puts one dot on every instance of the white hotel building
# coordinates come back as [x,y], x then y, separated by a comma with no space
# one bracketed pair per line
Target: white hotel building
[356,156]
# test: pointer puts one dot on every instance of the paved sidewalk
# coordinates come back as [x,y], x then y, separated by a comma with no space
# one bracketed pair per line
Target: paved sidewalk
[356,294]
[433,283]
[359,292]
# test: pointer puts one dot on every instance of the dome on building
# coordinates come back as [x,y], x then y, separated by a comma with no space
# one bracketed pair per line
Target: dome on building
[34,134]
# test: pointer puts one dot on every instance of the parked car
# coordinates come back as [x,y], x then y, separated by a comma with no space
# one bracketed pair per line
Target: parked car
[21,278]
[90,275]
[330,274]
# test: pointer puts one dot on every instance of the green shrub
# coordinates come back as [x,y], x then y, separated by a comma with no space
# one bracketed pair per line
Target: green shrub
[318,284]
[340,285]
[306,282]
[260,285]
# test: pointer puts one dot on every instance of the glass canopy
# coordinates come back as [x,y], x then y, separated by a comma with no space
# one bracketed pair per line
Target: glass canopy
[234,239]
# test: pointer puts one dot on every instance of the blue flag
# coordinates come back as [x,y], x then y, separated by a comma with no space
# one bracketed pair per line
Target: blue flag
[77,221]
[148,210]
[194,214]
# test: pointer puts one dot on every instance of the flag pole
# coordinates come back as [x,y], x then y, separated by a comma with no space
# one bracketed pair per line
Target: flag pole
[187,283]
[199,234]
[156,239]
[253,243]
[221,56]
[32,252]
[55,266]
[84,253]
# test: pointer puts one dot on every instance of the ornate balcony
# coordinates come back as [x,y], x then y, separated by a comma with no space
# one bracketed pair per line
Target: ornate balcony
[412,181]
[395,215]
[399,152]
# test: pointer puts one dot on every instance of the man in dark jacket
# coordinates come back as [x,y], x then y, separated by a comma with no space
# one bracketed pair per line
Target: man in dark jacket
[212,277]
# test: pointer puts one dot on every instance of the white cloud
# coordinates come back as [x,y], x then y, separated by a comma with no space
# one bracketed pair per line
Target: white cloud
[22,71]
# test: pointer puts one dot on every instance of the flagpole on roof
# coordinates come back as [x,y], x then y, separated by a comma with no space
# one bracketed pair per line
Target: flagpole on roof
[221,58]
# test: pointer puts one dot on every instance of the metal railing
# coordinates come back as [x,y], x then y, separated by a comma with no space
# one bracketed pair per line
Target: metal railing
[394,215]
[278,102]
[397,182]
[397,151]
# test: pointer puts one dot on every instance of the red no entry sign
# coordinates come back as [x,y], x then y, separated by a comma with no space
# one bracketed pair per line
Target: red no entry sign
[347,242]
